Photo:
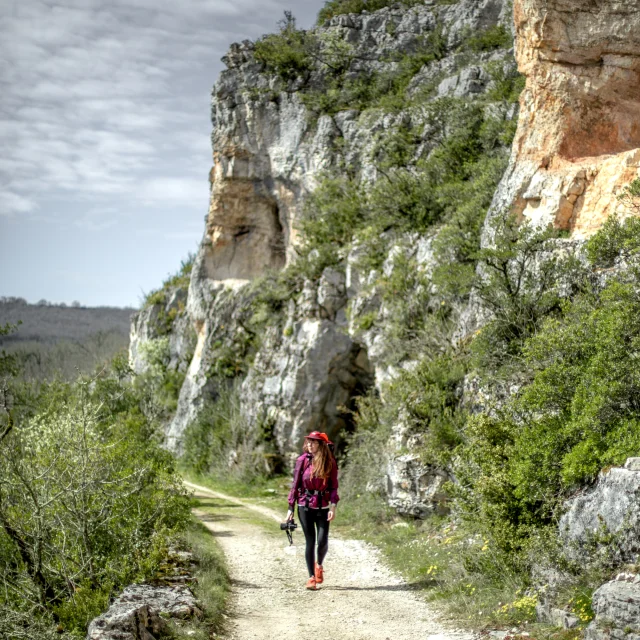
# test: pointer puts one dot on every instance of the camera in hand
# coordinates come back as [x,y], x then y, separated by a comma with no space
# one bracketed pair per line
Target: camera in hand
[288,526]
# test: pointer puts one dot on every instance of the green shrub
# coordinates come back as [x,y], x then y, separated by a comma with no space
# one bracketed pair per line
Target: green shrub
[413,322]
[384,90]
[457,241]
[389,88]
[28,623]
[286,53]
[332,212]
[208,440]
[83,500]
[617,239]
[523,279]
[429,395]
[496,37]
[86,603]
[507,84]
[162,383]
[577,415]
[366,454]
[630,196]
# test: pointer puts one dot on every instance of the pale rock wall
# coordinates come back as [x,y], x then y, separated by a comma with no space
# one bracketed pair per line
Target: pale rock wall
[305,376]
[268,155]
[267,151]
[578,138]
[168,319]
[610,507]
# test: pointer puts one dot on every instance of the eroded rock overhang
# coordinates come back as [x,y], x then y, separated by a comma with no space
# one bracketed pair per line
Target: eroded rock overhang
[578,138]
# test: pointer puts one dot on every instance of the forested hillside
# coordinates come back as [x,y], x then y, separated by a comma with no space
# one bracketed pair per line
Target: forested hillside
[54,340]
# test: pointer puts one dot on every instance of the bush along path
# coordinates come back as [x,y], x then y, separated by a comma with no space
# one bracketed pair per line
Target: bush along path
[360,597]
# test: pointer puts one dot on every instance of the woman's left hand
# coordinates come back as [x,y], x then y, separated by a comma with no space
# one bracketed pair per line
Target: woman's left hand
[332,513]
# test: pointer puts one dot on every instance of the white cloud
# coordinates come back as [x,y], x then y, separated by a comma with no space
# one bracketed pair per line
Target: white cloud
[98,99]
[12,203]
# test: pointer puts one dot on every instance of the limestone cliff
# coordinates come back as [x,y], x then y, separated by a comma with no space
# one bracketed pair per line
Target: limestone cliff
[575,146]
[269,152]
[578,136]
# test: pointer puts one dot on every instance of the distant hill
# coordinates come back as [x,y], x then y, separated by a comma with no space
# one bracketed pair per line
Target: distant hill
[52,323]
[62,341]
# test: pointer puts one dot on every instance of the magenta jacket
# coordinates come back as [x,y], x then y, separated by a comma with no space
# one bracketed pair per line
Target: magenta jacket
[302,480]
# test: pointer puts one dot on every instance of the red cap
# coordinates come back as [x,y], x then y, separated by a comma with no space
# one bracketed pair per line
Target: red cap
[318,435]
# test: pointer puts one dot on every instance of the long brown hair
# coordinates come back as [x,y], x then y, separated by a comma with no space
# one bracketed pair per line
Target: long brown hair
[322,461]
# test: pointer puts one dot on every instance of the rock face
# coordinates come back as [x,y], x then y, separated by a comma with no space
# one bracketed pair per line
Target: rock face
[269,153]
[304,377]
[611,507]
[140,613]
[578,138]
[617,608]
[163,319]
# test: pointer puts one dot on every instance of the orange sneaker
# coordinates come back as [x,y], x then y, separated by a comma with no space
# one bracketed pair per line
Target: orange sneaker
[311,583]
[319,574]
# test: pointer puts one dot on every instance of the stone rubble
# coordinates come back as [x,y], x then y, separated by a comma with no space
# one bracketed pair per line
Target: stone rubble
[140,613]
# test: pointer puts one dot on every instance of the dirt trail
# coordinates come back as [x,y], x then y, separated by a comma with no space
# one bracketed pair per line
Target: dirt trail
[359,600]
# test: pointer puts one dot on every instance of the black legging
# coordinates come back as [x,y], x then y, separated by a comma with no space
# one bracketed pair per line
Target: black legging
[310,520]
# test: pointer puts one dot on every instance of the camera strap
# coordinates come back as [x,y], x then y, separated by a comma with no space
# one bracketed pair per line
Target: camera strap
[289,536]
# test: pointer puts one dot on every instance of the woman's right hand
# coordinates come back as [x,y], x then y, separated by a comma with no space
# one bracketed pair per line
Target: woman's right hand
[289,515]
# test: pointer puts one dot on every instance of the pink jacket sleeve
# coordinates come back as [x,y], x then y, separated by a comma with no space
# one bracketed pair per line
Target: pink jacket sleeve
[297,480]
[334,498]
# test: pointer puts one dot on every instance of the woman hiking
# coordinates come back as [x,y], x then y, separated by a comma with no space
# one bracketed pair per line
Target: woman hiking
[315,489]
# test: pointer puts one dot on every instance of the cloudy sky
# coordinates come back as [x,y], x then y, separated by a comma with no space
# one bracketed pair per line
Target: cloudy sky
[105,138]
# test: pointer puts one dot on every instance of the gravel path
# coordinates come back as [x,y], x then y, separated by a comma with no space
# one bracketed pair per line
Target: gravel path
[360,598]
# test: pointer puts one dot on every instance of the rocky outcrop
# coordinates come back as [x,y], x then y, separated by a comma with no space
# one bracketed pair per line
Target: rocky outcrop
[307,372]
[616,605]
[414,488]
[165,318]
[141,612]
[578,138]
[269,152]
[217,311]
[610,508]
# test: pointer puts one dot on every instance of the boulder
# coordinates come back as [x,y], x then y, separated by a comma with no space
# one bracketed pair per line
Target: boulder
[610,507]
[140,613]
[616,605]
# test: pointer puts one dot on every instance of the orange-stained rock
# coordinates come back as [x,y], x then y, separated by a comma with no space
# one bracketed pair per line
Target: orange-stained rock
[578,138]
